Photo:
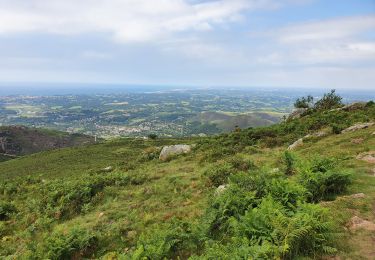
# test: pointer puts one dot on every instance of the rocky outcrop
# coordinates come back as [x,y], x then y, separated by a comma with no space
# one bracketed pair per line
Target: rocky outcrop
[357,127]
[172,150]
[297,113]
[351,107]
[299,142]
[359,223]
[296,144]
[367,157]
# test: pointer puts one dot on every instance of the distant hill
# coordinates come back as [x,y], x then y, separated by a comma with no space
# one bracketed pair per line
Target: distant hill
[228,121]
[20,140]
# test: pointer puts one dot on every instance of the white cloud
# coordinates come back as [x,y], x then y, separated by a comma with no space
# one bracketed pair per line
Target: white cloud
[339,41]
[126,20]
[333,29]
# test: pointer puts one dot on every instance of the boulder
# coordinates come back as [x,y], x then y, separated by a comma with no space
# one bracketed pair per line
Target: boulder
[359,223]
[297,113]
[357,127]
[367,157]
[172,150]
[296,144]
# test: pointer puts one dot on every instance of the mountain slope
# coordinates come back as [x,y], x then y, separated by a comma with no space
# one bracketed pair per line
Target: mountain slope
[67,203]
[20,140]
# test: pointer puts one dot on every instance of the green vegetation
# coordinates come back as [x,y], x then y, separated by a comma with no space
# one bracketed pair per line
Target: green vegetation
[235,196]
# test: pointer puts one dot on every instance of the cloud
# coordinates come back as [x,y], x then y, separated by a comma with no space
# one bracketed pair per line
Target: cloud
[339,41]
[125,20]
[333,29]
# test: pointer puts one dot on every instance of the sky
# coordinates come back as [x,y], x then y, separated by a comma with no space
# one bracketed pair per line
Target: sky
[263,43]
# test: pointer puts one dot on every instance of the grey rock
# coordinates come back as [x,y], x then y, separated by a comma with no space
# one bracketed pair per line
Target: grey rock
[172,150]
[296,144]
[357,127]
[351,107]
[297,113]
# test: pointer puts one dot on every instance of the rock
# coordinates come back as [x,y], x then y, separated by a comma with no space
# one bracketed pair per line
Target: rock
[373,133]
[296,144]
[101,214]
[357,140]
[358,223]
[358,196]
[367,157]
[107,169]
[297,113]
[220,189]
[317,134]
[351,107]
[357,127]
[171,150]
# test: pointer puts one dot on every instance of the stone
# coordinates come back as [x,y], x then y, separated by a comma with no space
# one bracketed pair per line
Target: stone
[357,140]
[358,196]
[101,214]
[367,157]
[359,223]
[296,144]
[108,169]
[297,113]
[220,189]
[357,127]
[172,150]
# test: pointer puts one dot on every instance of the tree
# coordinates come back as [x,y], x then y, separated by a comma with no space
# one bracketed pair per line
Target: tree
[329,101]
[152,136]
[304,102]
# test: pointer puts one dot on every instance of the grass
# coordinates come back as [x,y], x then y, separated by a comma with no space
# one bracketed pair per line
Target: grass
[117,216]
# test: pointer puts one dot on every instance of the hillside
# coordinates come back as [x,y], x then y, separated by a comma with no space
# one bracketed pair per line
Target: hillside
[228,121]
[234,196]
[20,140]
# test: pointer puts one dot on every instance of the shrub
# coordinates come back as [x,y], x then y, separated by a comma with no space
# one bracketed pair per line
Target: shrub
[286,192]
[289,160]
[75,243]
[324,185]
[152,136]
[6,210]
[306,232]
[218,174]
[337,128]
[329,101]
[165,242]
[323,164]
[304,102]
[241,164]
[234,202]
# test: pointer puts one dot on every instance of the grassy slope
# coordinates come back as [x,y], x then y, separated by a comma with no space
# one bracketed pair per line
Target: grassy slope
[176,188]
[33,140]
